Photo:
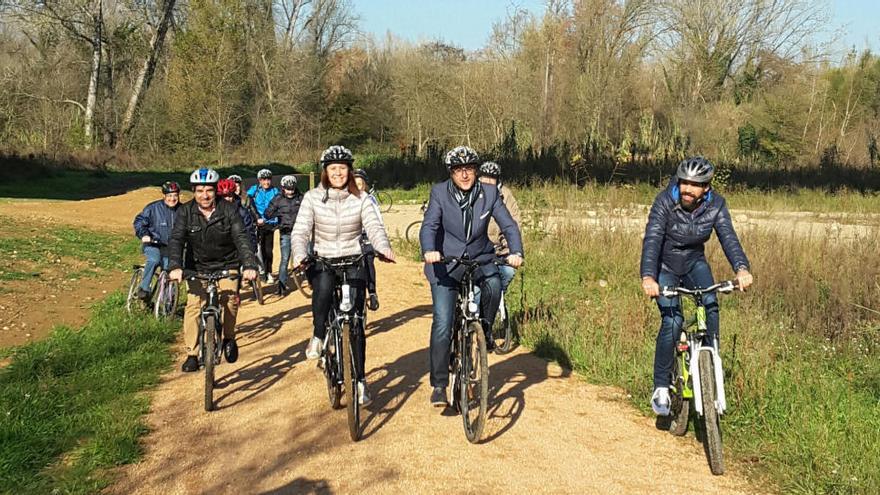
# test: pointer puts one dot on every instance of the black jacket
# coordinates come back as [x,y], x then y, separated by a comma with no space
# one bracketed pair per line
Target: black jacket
[220,243]
[285,209]
[675,238]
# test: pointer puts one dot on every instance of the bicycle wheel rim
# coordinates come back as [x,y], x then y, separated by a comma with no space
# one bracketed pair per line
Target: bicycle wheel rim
[210,336]
[353,408]
[159,299]
[475,382]
[133,287]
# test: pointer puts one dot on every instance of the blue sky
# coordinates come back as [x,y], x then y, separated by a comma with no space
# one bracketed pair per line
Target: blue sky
[467,23]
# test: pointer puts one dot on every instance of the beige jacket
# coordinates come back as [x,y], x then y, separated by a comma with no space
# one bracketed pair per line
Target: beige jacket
[337,223]
[495,234]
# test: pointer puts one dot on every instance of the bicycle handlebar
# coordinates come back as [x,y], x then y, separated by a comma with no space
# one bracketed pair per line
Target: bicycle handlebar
[724,287]
[344,262]
[211,276]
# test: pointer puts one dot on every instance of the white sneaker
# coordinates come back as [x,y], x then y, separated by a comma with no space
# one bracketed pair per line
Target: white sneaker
[363,395]
[314,349]
[270,279]
[660,401]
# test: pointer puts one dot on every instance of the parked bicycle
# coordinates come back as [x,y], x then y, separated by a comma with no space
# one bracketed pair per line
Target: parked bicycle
[412,230]
[698,376]
[468,360]
[210,327]
[343,321]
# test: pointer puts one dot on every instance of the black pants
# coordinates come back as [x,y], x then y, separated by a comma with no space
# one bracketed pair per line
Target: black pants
[370,261]
[323,283]
[266,241]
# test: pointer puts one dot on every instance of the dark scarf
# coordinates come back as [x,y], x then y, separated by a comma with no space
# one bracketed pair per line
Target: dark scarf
[466,201]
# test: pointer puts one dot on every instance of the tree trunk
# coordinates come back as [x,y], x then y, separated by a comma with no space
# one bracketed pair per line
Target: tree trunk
[92,97]
[142,83]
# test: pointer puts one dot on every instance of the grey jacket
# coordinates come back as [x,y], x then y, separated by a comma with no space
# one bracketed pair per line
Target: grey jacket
[337,219]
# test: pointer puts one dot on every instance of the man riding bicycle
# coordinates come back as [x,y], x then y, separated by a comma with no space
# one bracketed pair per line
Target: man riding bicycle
[333,215]
[490,173]
[680,223]
[153,226]
[456,224]
[261,195]
[214,238]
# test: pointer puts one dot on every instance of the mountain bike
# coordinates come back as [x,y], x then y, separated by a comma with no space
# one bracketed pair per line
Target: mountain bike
[468,361]
[411,233]
[697,374]
[343,321]
[210,327]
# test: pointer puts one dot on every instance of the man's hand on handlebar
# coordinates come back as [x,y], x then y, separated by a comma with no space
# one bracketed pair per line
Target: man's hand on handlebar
[146,239]
[176,275]
[514,260]
[433,257]
[650,287]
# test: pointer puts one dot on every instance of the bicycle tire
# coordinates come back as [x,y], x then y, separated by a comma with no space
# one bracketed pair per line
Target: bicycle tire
[353,407]
[385,201]
[679,407]
[504,331]
[301,283]
[209,333]
[474,381]
[412,232]
[133,285]
[711,421]
[257,287]
[331,368]
[172,297]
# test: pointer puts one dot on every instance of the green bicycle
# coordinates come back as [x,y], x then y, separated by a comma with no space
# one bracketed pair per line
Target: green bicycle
[698,376]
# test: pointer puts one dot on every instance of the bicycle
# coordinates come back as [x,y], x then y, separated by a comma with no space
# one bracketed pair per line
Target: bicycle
[411,234]
[698,376]
[210,327]
[343,321]
[503,331]
[468,360]
[298,275]
[163,292]
[385,200]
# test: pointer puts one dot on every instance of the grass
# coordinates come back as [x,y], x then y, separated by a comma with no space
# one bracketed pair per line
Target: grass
[801,354]
[71,406]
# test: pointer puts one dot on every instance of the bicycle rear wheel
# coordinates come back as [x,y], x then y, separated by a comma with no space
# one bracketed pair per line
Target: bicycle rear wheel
[474,386]
[209,333]
[711,420]
[412,231]
[136,277]
[385,201]
[353,407]
[680,406]
[503,330]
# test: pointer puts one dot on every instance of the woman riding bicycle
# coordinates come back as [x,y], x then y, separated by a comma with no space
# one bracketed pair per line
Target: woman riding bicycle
[335,212]
[363,185]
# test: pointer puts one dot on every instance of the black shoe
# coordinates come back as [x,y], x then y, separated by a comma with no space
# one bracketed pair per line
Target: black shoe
[190,365]
[438,397]
[373,304]
[230,350]
[490,341]
[282,289]
[143,295]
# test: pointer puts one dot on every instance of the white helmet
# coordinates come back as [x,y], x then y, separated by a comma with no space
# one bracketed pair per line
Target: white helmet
[264,174]
[204,177]
[288,182]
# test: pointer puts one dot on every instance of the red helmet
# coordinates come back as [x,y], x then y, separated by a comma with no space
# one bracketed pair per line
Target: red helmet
[225,187]
[170,187]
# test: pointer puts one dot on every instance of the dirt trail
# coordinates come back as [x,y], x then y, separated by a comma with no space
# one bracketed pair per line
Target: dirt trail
[274,432]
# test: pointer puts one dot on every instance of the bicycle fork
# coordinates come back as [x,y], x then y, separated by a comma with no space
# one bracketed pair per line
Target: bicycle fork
[698,348]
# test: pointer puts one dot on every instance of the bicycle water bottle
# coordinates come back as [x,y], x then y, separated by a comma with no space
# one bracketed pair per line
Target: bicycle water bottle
[345,305]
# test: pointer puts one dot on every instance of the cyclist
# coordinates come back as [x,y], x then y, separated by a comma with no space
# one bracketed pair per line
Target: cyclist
[153,226]
[214,237]
[679,225]
[363,185]
[490,173]
[337,213]
[226,189]
[261,195]
[284,208]
[456,223]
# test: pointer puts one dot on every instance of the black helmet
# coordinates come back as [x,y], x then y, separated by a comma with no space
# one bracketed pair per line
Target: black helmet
[696,169]
[362,174]
[461,155]
[170,187]
[336,154]
[490,169]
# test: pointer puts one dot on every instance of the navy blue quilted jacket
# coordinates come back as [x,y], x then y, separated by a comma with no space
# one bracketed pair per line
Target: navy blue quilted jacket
[675,238]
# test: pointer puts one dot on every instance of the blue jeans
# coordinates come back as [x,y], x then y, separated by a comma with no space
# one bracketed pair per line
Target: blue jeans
[507,273]
[285,258]
[672,319]
[154,260]
[444,298]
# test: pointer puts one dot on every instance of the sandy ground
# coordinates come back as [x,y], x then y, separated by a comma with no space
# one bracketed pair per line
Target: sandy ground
[274,432]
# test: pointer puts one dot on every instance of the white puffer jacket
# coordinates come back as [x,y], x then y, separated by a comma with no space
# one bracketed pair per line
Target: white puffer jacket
[338,223]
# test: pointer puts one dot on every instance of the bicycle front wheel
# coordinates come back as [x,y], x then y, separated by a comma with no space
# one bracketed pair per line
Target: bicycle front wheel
[136,277]
[474,388]
[385,201]
[711,419]
[412,232]
[209,333]
[353,407]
